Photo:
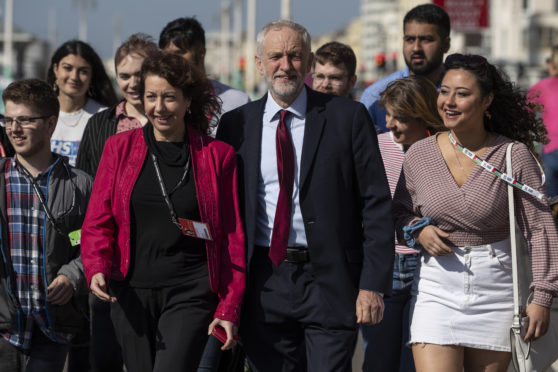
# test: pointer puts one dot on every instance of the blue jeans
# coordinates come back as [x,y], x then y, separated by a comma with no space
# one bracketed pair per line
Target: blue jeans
[384,343]
[211,356]
[550,162]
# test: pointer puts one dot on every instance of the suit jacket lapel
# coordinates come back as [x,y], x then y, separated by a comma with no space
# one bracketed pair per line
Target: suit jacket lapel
[313,127]
[252,157]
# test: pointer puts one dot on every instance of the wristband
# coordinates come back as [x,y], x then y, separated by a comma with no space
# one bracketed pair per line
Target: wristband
[409,232]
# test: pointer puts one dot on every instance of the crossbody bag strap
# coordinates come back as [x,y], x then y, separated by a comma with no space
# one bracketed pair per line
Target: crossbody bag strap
[513,241]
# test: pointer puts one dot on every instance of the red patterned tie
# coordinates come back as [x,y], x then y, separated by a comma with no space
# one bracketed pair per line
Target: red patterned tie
[285,171]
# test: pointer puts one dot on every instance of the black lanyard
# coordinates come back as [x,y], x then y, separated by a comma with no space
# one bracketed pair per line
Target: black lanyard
[174,218]
[41,197]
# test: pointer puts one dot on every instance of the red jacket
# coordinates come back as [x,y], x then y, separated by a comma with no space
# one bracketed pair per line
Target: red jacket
[105,241]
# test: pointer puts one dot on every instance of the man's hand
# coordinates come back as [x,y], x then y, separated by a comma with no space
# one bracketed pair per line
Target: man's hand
[539,320]
[369,307]
[98,287]
[60,290]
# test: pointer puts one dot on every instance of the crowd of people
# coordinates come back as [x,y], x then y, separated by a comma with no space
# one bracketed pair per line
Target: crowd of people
[185,228]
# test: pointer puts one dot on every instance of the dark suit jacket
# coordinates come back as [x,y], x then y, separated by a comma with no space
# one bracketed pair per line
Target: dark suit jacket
[344,196]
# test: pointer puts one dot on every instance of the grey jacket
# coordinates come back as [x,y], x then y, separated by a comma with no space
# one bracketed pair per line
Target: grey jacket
[68,194]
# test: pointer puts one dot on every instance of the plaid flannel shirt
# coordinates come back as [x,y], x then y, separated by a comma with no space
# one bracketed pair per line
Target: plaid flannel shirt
[26,222]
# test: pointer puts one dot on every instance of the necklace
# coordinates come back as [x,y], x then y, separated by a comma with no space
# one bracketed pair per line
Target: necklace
[459,162]
[479,147]
[74,117]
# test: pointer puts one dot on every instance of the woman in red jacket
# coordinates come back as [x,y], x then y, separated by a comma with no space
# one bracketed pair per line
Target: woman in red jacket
[162,239]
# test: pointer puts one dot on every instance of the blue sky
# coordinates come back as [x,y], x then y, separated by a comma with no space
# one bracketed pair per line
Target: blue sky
[150,16]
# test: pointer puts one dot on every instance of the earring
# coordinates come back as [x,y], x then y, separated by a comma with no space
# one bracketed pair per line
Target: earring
[189,112]
[55,87]
[487,114]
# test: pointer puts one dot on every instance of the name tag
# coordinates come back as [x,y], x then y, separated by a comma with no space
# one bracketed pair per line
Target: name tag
[75,237]
[195,229]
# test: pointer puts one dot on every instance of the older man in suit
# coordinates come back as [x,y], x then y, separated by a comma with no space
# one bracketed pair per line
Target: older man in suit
[317,214]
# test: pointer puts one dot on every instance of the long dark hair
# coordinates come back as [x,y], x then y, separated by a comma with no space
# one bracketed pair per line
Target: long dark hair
[100,89]
[193,83]
[510,113]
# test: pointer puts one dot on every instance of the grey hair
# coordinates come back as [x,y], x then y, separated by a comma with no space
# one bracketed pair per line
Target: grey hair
[279,25]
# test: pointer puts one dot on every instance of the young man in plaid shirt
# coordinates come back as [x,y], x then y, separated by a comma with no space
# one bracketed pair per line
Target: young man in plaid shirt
[42,206]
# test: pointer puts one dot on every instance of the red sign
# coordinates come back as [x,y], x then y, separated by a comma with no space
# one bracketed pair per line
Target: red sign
[466,15]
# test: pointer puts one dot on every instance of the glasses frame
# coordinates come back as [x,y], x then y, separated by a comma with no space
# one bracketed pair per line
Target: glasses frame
[333,83]
[19,119]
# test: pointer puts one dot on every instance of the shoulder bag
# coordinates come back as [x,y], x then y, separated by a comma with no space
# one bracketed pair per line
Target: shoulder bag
[527,356]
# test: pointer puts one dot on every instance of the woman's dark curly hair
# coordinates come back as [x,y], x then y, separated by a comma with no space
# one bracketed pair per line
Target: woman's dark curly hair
[509,114]
[193,83]
[100,89]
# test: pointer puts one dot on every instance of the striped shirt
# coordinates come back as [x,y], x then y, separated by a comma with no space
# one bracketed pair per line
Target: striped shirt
[477,212]
[393,155]
[26,221]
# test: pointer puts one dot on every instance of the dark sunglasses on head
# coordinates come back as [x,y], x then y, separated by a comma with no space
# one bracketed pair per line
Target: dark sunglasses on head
[469,60]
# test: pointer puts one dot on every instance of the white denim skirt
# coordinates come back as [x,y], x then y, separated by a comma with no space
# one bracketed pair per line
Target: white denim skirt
[465,298]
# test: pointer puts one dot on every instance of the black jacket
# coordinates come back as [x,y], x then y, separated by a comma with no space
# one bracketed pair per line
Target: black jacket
[61,257]
[343,191]
[99,128]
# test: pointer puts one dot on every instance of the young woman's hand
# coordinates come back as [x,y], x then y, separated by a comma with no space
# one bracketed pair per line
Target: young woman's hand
[430,237]
[539,320]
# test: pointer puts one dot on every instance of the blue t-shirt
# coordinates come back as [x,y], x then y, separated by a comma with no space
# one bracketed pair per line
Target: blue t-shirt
[371,97]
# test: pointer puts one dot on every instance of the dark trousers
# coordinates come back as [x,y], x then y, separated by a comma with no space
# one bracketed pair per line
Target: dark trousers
[385,344]
[163,329]
[285,323]
[45,355]
[95,347]
[105,353]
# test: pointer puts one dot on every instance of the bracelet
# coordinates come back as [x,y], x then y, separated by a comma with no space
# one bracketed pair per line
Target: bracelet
[409,232]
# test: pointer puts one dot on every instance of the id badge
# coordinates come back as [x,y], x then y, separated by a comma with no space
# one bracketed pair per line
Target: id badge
[195,229]
[75,237]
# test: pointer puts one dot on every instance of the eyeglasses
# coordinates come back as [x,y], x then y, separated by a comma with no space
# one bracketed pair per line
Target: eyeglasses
[24,121]
[335,80]
[468,60]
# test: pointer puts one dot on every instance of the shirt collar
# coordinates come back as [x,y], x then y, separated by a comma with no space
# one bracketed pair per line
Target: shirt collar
[121,109]
[297,108]
[56,156]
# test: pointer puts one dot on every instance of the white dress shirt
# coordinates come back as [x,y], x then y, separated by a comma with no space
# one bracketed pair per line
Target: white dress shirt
[268,179]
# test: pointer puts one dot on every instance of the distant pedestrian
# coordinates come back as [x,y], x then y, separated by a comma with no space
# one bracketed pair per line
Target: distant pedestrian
[186,37]
[42,206]
[77,75]
[333,69]
[545,94]
[426,38]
